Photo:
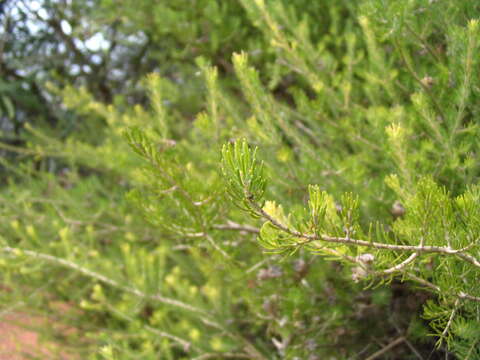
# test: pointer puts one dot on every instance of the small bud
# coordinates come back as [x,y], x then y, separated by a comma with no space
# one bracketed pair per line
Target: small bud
[427,81]
[262,274]
[358,273]
[311,344]
[270,305]
[271,272]
[338,207]
[430,264]
[452,82]
[299,325]
[366,258]
[423,51]
[361,271]
[397,209]
[275,271]
[301,268]
[166,144]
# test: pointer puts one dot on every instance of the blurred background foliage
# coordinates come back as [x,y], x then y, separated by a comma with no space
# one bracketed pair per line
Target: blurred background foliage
[150,255]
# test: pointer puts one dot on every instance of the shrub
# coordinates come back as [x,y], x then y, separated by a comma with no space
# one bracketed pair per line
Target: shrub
[349,154]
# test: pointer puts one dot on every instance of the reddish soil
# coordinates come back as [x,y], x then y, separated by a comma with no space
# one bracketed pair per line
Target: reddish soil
[20,341]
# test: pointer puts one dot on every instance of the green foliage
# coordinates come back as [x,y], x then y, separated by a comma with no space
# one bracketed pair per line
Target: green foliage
[245,176]
[147,219]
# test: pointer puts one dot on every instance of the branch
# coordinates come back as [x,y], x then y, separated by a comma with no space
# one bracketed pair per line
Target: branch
[424,282]
[103,279]
[222,356]
[308,238]
[387,348]
[402,248]
[463,295]
[218,248]
[400,266]
[230,225]
[186,345]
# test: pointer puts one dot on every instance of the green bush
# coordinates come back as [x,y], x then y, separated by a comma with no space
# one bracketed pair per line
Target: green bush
[348,155]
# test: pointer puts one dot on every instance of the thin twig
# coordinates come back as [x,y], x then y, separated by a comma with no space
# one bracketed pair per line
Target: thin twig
[222,356]
[218,248]
[412,72]
[257,265]
[463,295]
[450,319]
[424,282]
[424,43]
[230,225]
[386,348]
[408,343]
[400,266]
[186,345]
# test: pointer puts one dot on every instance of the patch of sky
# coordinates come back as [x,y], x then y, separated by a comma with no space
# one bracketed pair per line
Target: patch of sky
[66,27]
[96,59]
[117,74]
[86,69]
[35,5]
[97,42]
[42,13]
[74,69]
